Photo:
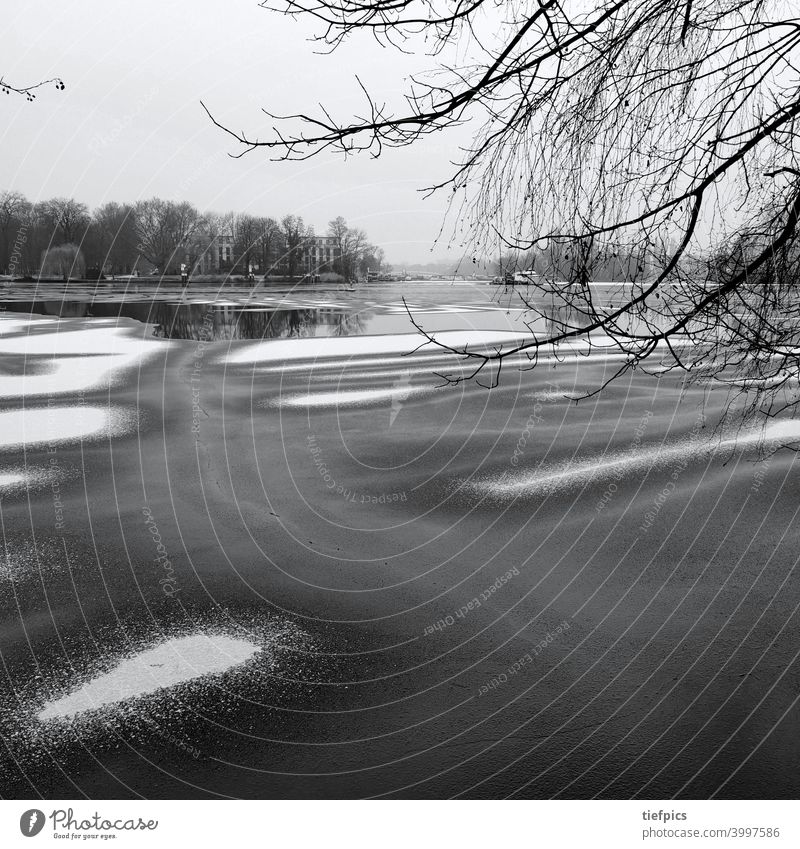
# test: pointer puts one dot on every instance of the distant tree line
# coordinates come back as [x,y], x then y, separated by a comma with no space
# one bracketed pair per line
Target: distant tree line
[599,261]
[62,238]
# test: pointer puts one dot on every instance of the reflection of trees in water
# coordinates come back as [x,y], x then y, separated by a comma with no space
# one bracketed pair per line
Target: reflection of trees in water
[563,312]
[347,324]
[562,315]
[209,322]
[180,322]
[273,324]
[62,308]
[66,309]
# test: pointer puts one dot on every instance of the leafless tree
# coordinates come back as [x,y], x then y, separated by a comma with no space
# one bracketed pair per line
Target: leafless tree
[14,211]
[295,233]
[66,217]
[114,243]
[247,232]
[351,247]
[164,229]
[165,233]
[255,241]
[664,130]
[268,242]
[372,260]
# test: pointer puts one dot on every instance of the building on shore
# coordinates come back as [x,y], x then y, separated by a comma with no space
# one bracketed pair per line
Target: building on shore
[214,256]
[221,254]
[321,254]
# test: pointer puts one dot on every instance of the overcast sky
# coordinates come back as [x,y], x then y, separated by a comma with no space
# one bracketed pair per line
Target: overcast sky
[129,124]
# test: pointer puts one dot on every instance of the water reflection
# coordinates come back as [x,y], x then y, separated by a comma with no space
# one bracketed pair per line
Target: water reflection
[210,321]
[213,321]
[315,313]
[560,315]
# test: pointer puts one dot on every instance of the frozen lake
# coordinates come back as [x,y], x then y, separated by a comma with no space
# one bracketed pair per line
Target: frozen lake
[414,589]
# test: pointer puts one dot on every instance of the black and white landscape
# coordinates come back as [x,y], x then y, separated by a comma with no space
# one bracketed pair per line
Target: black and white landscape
[398,400]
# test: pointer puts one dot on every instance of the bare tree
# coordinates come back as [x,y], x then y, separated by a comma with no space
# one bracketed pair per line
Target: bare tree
[14,211]
[371,260]
[268,242]
[164,229]
[351,246]
[114,231]
[655,129]
[338,230]
[294,233]
[67,218]
[256,239]
[247,234]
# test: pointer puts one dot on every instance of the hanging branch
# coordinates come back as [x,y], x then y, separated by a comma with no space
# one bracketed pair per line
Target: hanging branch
[651,142]
[29,92]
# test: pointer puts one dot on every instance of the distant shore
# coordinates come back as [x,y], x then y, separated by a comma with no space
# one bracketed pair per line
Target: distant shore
[205,279]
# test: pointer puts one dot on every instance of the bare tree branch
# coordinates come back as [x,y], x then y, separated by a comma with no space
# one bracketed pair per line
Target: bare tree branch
[649,142]
[29,92]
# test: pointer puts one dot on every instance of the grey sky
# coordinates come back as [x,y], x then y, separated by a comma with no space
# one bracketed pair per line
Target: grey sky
[130,125]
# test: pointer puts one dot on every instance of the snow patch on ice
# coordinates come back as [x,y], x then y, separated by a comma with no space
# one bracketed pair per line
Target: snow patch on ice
[172,662]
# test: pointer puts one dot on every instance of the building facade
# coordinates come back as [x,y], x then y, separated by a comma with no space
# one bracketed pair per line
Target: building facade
[216,255]
[320,254]
[315,255]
